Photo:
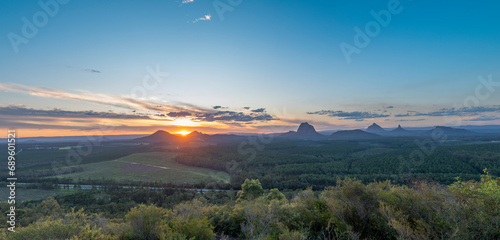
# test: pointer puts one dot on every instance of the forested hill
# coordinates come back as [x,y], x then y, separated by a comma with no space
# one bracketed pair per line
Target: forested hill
[301,163]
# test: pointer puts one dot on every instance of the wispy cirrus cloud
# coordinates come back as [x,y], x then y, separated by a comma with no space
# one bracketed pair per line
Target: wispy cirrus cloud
[484,118]
[207,17]
[140,108]
[412,120]
[20,116]
[105,99]
[187,1]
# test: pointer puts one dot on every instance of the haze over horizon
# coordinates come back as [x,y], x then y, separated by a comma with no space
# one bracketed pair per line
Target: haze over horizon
[135,68]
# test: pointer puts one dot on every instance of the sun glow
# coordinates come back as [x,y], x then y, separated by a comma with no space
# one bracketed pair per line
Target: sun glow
[184,122]
[183,133]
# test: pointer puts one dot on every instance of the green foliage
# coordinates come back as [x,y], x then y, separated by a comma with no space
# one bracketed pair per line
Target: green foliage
[145,222]
[49,207]
[354,208]
[348,210]
[292,235]
[477,207]
[190,219]
[275,194]
[297,164]
[191,228]
[72,225]
[490,187]
[250,189]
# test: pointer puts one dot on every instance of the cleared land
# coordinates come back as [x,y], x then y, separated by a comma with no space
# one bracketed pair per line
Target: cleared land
[24,194]
[153,166]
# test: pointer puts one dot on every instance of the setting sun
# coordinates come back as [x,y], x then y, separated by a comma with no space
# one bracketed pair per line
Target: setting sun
[183,133]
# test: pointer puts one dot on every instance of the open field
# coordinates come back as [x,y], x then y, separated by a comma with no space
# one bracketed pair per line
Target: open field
[25,194]
[36,158]
[154,166]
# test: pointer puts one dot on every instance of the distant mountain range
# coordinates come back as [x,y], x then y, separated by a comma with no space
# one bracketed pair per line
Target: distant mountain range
[307,131]
[161,136]
[450,131]
[304,131]
[399,131]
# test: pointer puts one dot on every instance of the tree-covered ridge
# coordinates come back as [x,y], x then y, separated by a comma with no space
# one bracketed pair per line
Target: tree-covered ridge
[348,210]
[318,164]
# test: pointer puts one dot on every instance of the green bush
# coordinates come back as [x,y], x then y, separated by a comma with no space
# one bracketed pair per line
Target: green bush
[348,210]
[72,225]
[145,222]
[250,189]
[275,194]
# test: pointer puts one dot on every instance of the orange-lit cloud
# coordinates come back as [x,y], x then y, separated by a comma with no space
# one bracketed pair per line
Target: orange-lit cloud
[136,116]
[159,111]
[105,99]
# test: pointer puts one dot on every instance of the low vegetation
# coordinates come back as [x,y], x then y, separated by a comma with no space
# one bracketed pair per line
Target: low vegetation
[348,210]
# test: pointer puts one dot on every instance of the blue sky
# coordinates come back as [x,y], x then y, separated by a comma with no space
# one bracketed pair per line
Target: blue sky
[284,56]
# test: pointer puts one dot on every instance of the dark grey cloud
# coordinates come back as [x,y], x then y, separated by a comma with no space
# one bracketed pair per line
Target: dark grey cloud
[411,120]
[228,117]
[470,111]
[219,107]
[246,108]
[179,114]
[356,115]
[24,111]
[231,116]
[50,123]
[92,70]
[390,107]
[403,115]
[259,110]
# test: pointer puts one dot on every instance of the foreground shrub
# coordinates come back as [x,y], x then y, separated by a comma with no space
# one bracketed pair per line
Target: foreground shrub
[349,210]
[145,222]
[477,208]
[73,225]
[250,189]
[190,219]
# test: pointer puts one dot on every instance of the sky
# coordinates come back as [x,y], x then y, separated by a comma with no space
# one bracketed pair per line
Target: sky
[73,67]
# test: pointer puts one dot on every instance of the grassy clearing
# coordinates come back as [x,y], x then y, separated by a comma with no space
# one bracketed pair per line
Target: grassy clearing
[24,194]
[153,166]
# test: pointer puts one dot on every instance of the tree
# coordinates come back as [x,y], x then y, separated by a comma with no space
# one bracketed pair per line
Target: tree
[145,221]
[250,189]
[275,194]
